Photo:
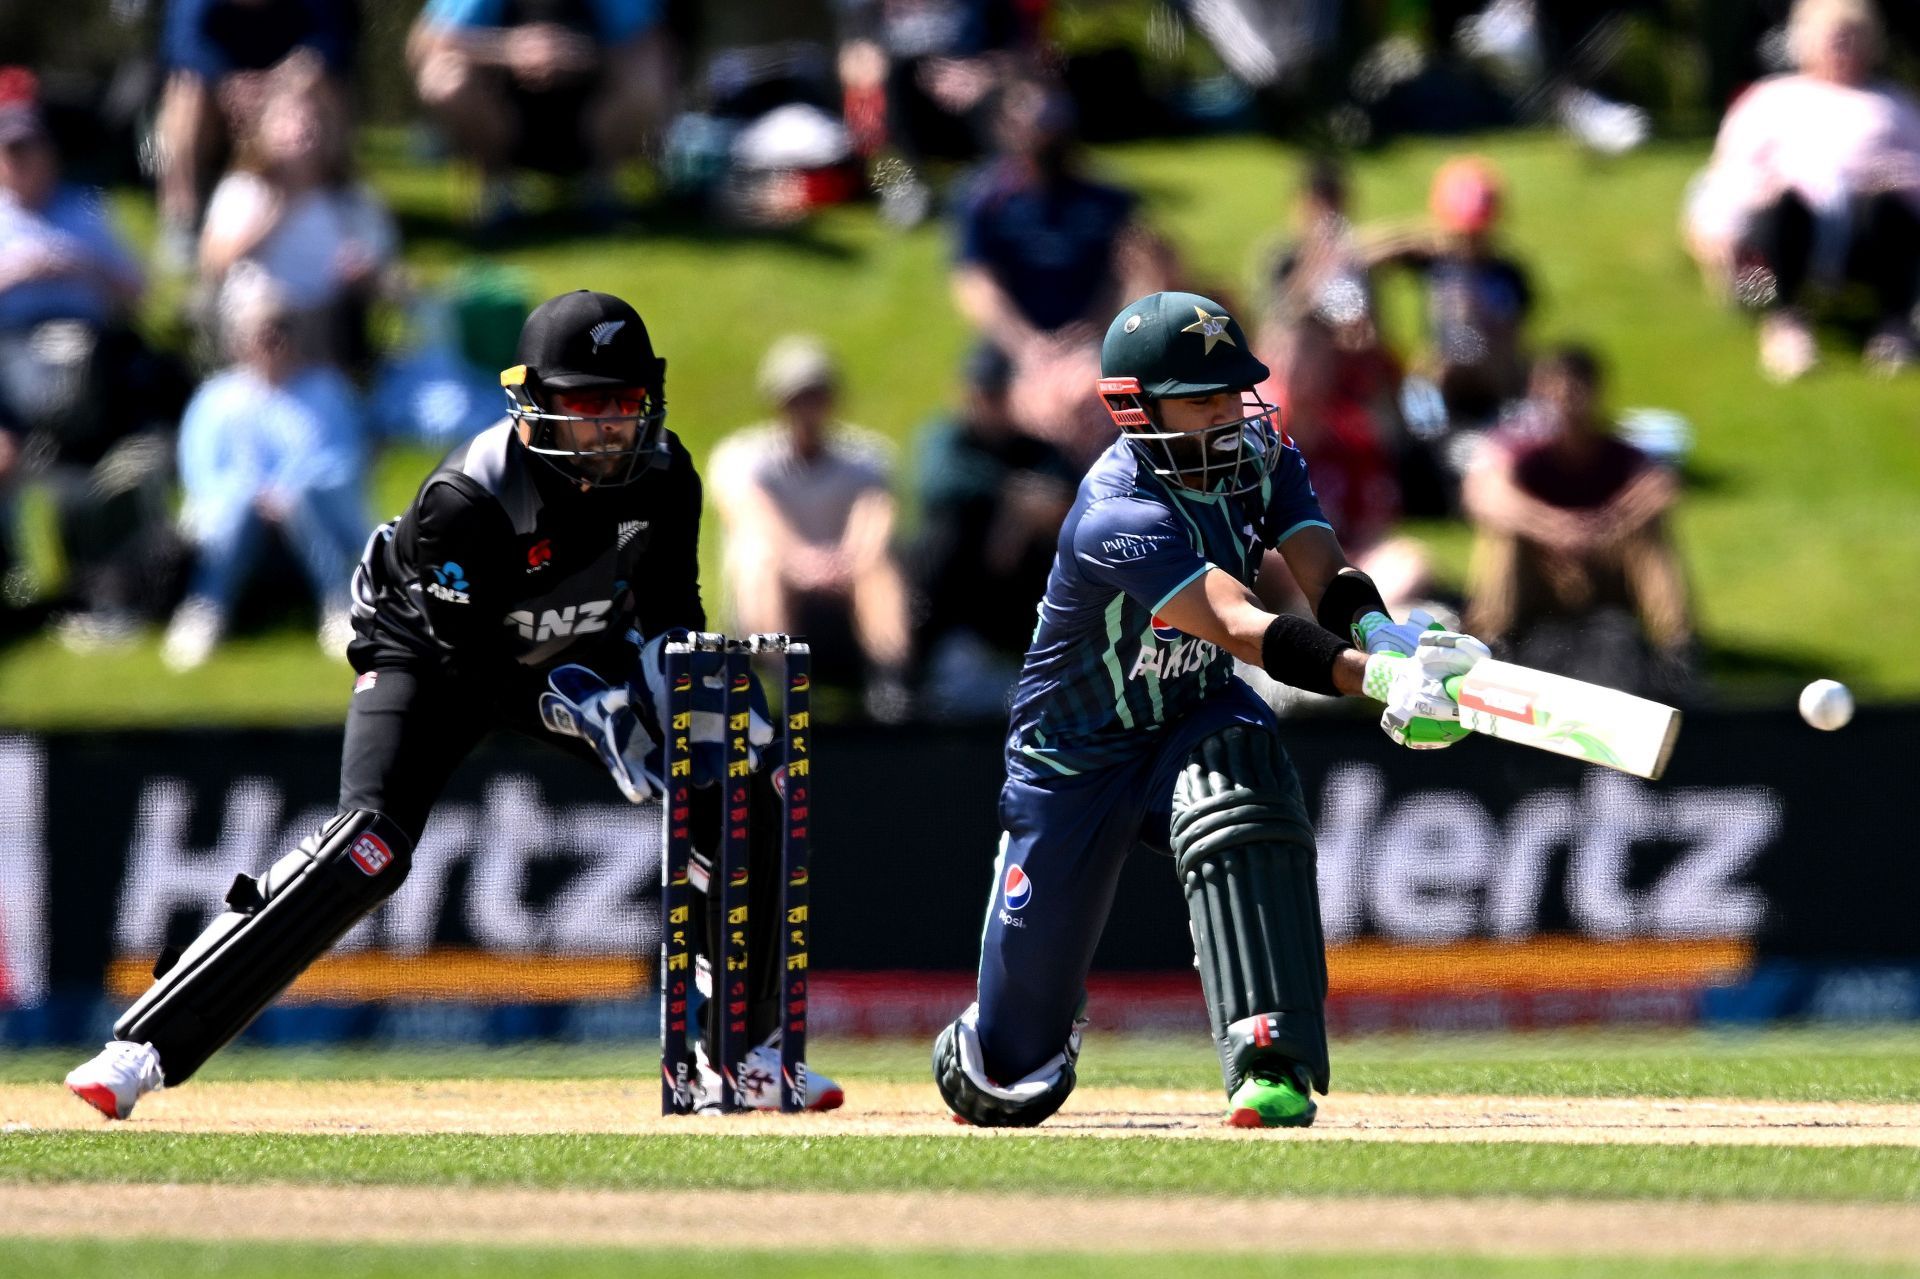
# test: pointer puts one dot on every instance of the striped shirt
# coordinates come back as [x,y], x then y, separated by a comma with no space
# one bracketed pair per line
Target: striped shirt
[1104,676]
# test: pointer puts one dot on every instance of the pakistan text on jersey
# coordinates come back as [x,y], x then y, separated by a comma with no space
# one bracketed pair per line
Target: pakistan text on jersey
[1165,661]
[574,619]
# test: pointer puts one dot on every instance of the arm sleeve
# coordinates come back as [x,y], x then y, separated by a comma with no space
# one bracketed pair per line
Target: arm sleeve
[668,594]
[622,20]
[461,540]
[462,15]
[183,42]
[1136,547]
[973,231]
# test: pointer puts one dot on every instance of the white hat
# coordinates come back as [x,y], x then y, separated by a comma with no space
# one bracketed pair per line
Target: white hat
[796,363]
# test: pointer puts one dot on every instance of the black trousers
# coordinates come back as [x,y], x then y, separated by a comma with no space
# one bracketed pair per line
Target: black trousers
[1883,249]
[411,728]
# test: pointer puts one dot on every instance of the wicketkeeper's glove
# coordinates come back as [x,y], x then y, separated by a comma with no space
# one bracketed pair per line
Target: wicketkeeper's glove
[709,728]
[620,728]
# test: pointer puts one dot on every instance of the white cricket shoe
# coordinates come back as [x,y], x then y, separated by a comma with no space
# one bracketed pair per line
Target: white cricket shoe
[116,1077]
[760,1083]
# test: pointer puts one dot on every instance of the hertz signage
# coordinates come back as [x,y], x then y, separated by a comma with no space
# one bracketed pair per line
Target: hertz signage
[1478,868]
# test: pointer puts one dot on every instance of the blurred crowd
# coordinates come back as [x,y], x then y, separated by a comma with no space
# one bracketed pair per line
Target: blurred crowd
[194,483]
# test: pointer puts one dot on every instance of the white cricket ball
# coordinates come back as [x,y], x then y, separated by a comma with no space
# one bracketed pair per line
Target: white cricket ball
[1826,704]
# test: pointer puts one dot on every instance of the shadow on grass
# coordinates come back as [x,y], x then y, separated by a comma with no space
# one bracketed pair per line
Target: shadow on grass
[657,221]
[1745,675]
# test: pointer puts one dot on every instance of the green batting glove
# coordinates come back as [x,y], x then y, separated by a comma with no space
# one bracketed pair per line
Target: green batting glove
[1419,715]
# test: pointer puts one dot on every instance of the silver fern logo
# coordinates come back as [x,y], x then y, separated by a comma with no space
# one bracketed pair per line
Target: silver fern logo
[602,333]
[630,529]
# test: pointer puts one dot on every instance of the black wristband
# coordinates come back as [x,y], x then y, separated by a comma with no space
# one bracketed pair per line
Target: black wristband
[1296,652]
[1348,597]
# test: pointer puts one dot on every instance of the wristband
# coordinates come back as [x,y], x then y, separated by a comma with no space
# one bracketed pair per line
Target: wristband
[1300,654]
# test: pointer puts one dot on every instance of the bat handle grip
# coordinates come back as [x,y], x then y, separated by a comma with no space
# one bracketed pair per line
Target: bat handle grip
[1453,684]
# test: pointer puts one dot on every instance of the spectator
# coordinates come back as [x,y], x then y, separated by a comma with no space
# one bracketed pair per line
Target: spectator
[218,56]
[272,442]
[1045,254]
[446,385]
[89,403]
[1334,373]
[293,211]
[1478,298]
[559,88]
[991,504]
[1816,177]
[920,76]
[60,258]
[1573,568]
[809,525]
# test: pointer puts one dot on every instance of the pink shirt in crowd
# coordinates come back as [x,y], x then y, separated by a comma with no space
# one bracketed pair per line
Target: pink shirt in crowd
[1823,140]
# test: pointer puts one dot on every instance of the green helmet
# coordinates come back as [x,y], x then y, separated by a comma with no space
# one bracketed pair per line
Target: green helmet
[1179,344]
[1185,346]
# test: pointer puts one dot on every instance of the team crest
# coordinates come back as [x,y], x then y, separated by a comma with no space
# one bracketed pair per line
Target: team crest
[602,333]
[1212,327]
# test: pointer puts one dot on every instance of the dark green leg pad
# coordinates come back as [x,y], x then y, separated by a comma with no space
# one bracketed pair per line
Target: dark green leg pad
[1245,855]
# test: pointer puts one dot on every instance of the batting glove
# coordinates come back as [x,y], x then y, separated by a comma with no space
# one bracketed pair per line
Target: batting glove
[1420,715]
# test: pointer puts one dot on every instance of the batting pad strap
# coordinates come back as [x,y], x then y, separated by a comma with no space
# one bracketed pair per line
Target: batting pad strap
[1298,653]
[1348,597]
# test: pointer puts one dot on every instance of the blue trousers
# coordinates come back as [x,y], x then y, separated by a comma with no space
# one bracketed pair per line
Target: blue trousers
[1065,841]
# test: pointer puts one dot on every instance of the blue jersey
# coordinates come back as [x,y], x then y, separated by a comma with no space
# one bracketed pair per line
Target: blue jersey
[1104,676]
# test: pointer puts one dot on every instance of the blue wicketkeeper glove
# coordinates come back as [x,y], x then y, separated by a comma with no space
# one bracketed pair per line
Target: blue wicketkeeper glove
[621,728]
[709,728]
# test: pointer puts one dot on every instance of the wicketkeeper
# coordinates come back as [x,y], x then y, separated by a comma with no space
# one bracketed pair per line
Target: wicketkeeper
[531,586]
[1130,726]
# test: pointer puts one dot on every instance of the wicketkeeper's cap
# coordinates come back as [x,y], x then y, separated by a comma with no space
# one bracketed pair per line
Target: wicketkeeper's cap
[584,339]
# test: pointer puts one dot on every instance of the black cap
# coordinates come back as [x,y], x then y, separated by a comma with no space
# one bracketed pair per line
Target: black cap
[583,339]
[988,369]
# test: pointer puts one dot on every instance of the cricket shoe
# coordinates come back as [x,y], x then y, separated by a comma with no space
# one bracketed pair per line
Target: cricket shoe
[1271,1098]
[116,1077]
[760,1083]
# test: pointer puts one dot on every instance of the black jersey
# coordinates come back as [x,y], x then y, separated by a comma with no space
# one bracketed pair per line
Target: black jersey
[502,564]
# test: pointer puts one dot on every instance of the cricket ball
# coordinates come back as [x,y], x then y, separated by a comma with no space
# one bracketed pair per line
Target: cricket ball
[1826,704]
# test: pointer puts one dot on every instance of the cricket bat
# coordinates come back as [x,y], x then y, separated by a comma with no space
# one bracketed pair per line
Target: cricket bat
[1567,716]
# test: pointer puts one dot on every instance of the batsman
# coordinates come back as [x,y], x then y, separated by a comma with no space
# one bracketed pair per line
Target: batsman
[531,586]
[1129,726]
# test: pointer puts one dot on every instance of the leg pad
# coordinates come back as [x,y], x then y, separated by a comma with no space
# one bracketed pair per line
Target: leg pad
[1245,855]
[275,926]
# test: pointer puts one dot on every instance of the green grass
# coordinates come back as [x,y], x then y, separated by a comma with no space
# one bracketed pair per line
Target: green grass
[86,1259]
[1004,1162]
[1796,526]
[1790,1065]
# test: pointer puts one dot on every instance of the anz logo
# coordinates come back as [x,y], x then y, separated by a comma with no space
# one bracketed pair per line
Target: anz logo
[449,583]
[558,623]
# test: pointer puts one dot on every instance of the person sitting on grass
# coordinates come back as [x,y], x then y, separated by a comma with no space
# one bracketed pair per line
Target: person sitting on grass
[1815,179]
[273,442]
[1574,570]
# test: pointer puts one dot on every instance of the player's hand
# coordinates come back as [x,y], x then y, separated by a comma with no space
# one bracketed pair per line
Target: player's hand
[1378,633]
[1420,714]
[620,728]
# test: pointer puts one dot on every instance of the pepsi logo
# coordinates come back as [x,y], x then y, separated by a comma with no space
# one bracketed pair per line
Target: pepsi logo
[1019,889]
[1164,633]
